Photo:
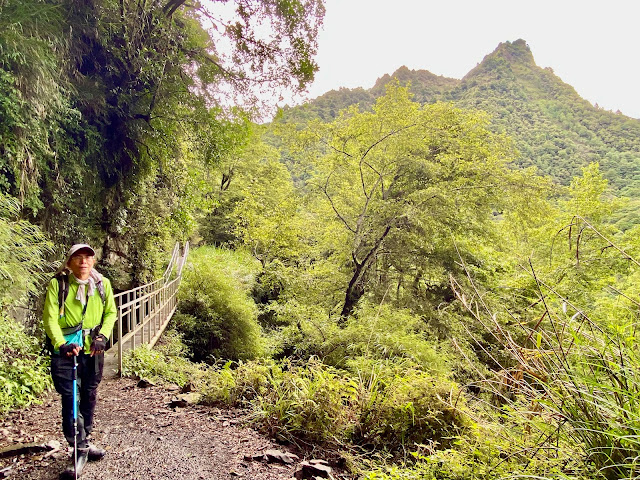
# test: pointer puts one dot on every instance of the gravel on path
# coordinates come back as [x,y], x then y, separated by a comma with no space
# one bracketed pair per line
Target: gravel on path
[145,439]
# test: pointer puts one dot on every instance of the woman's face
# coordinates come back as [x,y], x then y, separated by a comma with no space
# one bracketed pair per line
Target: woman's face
[81,264]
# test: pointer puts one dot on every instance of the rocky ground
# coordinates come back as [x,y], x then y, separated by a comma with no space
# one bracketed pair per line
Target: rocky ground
[146,438]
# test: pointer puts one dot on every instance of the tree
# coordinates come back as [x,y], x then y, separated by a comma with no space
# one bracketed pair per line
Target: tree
[95,127]
[406,184]
[270,42]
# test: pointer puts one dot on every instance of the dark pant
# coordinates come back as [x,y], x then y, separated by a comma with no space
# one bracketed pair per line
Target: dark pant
[89,376]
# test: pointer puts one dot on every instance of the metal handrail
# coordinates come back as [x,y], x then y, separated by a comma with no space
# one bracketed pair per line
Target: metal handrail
[183,259]
[172,262]
[146,310]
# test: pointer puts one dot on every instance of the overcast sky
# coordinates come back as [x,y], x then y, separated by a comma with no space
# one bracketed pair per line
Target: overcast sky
[593,46]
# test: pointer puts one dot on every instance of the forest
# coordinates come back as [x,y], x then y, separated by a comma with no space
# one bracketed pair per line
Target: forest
[431,279]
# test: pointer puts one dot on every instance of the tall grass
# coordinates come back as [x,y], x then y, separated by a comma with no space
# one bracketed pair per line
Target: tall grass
[572,377]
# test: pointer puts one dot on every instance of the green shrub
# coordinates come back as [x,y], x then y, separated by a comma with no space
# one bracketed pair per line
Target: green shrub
[384,408]
[376,331]
[400,406]
[311,402]
[24,373]
[217,316]
[241,385]
[23,248]
[165,363]
[482,460]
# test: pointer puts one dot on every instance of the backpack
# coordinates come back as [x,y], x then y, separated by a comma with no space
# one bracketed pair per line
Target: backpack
[63,292]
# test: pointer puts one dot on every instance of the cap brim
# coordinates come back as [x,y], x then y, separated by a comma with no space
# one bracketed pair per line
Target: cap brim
[88,250]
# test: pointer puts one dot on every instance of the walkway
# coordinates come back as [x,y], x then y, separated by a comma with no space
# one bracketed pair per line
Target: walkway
[144,312]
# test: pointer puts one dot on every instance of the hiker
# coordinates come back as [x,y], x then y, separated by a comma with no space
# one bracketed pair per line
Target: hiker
[79,314]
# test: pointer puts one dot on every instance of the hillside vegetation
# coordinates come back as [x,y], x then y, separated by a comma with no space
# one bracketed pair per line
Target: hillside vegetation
[424,279]
[553,128]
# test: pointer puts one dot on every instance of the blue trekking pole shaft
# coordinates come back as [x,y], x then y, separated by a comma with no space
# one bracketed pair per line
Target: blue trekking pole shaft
[75,417]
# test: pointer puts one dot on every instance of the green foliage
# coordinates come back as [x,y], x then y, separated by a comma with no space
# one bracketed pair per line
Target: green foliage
[552,127]
[482,459]
[111,112]
[384,409]
[240,385]
[378,333]
[393,189]
[257,204]
[384,406]
[165,363]
[400,407]
[375,250]
[31,97]
[217,316]
[568,354]
[23,248]
[310,402]
[24,372]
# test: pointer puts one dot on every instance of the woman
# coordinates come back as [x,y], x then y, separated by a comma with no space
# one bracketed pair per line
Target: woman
[79,314]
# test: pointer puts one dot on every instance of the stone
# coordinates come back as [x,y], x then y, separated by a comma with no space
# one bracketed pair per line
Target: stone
[282,457]
[184,399]
[308,470]
[25,448]
[145,383]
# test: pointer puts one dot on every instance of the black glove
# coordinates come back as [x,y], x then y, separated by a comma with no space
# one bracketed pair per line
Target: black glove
[67,350]
[99,344]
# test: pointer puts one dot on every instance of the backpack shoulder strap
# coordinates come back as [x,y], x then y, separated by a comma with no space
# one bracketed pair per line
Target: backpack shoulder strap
[103,295]
[63,290]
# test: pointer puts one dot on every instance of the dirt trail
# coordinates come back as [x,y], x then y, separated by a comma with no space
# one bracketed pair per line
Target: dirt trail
[144,439]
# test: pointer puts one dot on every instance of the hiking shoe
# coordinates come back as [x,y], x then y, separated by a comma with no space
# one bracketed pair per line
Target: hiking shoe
[96,453]
[83,456]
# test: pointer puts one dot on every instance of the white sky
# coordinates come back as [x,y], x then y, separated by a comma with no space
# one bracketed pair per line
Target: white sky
[593,46]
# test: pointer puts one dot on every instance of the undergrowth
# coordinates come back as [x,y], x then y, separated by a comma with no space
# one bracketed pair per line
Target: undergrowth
[24,372]
[389,421]
[384,408]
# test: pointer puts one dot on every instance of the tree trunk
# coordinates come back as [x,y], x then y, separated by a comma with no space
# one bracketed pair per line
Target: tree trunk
[355,290]
[356,287]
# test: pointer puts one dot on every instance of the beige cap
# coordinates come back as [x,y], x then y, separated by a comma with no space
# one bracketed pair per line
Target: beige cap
[73,250]
[77,247]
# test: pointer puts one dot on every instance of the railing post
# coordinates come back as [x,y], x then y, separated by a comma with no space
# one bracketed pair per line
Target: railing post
[120,341]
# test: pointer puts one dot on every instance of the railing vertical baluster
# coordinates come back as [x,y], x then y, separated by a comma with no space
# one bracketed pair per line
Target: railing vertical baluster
[129,299]
[120,340]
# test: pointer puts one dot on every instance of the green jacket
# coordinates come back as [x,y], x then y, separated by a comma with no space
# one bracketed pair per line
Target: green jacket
[96,312]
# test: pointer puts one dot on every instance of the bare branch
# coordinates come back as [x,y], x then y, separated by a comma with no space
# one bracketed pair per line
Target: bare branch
[337,150]
[625,254]
[384,137]
[325,190]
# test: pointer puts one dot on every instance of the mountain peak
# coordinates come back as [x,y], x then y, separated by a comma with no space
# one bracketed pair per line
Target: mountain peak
[505,57]
[513,52]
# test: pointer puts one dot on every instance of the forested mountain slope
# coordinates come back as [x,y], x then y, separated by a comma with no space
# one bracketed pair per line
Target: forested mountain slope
[552,126]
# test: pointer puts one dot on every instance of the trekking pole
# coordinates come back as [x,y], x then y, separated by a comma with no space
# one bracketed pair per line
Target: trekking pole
[75,418]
